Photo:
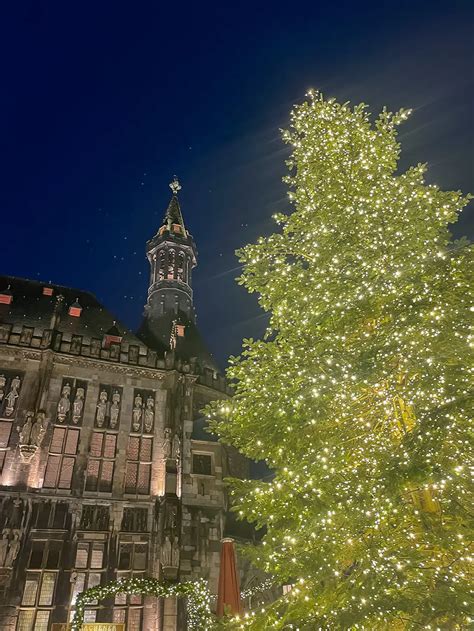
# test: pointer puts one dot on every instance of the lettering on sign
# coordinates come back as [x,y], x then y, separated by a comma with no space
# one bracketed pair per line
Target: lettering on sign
[90,626]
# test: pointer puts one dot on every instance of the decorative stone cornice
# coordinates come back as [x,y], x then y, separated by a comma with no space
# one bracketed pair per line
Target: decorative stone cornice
[19,353]
[123,369]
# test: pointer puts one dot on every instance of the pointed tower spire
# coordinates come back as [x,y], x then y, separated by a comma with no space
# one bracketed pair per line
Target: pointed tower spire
[172,255]
[173,213]
[169,319]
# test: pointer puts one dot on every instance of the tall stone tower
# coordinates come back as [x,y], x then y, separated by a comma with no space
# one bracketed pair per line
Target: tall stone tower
[169,319]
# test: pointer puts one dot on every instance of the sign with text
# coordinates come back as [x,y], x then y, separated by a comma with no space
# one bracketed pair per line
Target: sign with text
[90,626]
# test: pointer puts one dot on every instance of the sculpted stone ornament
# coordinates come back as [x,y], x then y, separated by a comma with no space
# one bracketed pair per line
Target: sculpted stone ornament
[77,406]
[176,448]
[114,410]
[3,381]
[12,396]
[149,414]
[175,553]
[137,413]
[101,409]
[31,435]
[167,447]
[13,550]
[64,404]
[166,552]
[4,547]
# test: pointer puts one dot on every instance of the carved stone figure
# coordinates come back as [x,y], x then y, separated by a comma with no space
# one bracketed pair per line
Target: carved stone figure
[137,413]
[176,448]
[101,409]
[166,552]
[167,447]
[25,431]
[16,514]
[175,553]
[3,548]
[38,429]
[114,409]
[78,405]
[171,519]
[76,343]
[12,396]
[64,404]
[13,550]
[95,347]
[149,414]
[3,381]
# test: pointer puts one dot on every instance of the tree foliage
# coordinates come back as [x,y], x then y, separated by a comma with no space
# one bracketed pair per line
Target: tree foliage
[359,397]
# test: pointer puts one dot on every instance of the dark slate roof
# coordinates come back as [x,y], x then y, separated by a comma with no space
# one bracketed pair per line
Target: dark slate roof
[33,309]
[156,334]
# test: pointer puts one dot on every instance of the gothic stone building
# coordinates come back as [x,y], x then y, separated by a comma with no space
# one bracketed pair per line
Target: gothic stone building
[105,470]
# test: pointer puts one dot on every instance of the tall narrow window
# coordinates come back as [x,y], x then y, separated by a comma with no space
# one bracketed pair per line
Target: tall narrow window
[89,571]
[161,265]
[138,465]
[61,458]
[40,585]
[180,274]
[100,467]
[132,563]
[171,258]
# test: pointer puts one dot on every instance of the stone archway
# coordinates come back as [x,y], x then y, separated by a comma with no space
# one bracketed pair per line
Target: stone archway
[199,611]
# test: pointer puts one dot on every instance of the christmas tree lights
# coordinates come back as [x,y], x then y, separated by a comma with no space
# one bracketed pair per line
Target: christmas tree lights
[360,395]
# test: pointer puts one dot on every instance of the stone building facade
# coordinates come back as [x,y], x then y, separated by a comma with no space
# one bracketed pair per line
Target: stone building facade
[105,470]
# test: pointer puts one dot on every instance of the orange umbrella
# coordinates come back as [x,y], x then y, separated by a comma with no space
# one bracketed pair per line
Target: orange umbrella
[228,597]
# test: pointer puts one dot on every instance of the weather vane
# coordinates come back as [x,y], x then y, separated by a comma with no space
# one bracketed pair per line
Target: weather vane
[175,186]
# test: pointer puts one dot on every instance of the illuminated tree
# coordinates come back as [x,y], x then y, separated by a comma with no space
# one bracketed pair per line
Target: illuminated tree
[358,397]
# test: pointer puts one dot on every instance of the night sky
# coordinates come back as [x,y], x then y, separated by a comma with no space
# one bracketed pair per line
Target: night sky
[102,103]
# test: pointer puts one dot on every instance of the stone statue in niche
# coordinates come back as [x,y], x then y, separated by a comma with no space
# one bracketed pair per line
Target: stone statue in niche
[13,550]
[12,396]
[176,448]
[31,435]
[175,552]
[3,381]
[15,515]
[167,446]
[166,552]
[4,541]
[101,409]
[64,404]
[78,405]
[95,347]
[149,414]
[171,518]
[76,343]
[114,409]
[137,413]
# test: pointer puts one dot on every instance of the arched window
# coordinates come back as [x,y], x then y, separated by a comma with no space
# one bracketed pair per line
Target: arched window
[171,255]
[181,266]
[161,265]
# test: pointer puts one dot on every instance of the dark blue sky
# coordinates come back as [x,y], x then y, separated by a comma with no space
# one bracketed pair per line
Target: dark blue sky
[101,103]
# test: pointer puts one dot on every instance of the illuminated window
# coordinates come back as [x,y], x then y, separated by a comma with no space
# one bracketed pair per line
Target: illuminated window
[138,465]
[88,567]
[61,458]
[33,620]
[100,466]
[132,563]
[39,589]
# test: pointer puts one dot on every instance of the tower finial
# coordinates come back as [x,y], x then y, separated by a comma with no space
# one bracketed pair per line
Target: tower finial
[175,186]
